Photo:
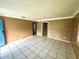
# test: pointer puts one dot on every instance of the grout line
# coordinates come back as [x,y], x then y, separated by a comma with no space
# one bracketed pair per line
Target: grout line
[50,49]
[31,50]
[11,52]
[21,51]
[66,53]
[56,42]
[57,52]
[74,51]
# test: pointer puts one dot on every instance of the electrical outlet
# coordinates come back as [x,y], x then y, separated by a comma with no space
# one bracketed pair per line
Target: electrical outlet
[64,37]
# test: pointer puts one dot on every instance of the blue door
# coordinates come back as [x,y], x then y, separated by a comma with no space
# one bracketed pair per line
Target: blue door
[2,40]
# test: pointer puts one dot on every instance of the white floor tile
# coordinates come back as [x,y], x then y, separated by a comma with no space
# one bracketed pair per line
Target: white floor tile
[37,47]
[5,53]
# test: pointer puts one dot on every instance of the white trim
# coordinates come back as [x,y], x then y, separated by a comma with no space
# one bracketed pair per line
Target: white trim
[61,40]
[41,20]
[64,40]
[60,18]
[25,38]
[76,13]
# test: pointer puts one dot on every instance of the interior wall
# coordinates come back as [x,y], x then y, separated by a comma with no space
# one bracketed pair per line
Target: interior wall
[60,29]
[39,28]
[76,36]
[75,30]
[78,31]
[16,29]
[76,50]
[77,18]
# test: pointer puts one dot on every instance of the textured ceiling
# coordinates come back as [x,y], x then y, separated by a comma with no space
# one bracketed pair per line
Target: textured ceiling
[38,9]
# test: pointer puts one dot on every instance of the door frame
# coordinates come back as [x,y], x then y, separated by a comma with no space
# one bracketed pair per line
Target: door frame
[34,28]
[3,31]
[45,24]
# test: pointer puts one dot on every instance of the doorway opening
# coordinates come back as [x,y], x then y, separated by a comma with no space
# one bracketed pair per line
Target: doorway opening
[34,28]
[45,29]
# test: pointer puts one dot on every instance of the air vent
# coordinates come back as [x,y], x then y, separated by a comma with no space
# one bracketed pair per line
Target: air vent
[23,17]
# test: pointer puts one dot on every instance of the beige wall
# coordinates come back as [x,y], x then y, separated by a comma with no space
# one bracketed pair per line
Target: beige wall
[16,29]
[75,30]
[76,50]
[67,29]
[60,29]
[39,28]
[75,36]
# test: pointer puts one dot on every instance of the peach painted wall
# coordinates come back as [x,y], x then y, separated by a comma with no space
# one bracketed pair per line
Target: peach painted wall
[16,29]
[60,29]
[75,36]
[75,30]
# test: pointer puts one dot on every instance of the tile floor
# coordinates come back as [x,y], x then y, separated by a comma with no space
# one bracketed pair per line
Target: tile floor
[37,48]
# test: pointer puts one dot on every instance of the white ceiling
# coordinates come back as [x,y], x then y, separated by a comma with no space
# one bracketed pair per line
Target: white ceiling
[38,9]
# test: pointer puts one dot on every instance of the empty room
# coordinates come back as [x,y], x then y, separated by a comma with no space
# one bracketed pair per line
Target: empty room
[39,29]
